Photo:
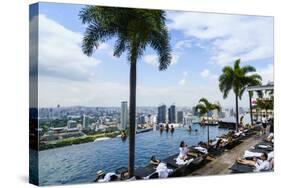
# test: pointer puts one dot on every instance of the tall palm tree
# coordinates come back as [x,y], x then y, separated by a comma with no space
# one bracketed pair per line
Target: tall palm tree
[134,30]
[204,107]
[237,79]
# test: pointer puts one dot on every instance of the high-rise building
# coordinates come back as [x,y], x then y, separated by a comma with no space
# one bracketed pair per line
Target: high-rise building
[172,114]
[161,117]
[141,119]
[71,124]
[194,111]
[124,115]
[86,122]
[180,117]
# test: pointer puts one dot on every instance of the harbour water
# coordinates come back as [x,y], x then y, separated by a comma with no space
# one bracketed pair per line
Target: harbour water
[79,163]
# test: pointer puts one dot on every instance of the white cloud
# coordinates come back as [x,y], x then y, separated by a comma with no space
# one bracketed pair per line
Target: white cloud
[183,44]
[60,54]
[175,58]
[69,93]
[229,36]
[183,81]
[205,73]
[151,59]
[266,73]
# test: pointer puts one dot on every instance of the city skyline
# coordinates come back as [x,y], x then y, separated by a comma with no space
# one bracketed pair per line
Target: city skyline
[69,78]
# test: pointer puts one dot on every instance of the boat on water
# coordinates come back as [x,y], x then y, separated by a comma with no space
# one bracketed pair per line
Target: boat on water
[143,130]
[208,122]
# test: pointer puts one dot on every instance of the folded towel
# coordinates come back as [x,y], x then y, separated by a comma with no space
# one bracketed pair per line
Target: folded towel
[270,156]
[263,146]
[201,149]
[182,162]
[251,154]
[163,171]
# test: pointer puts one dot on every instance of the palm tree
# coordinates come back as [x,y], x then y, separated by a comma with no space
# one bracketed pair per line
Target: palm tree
[237,79]
[134,30]
[204,107]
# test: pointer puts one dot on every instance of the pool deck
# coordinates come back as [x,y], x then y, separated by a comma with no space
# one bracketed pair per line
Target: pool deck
[221,164]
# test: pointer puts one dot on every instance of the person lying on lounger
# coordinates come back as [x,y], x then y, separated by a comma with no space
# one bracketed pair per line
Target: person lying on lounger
[261,164]
[222,142]
[154,161]
[102,177]
[270,137]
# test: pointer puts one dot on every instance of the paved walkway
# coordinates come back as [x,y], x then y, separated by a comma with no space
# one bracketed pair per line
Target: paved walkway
[221,164]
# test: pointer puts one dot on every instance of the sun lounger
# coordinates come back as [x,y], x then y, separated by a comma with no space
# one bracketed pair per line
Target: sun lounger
[121,171]
[233,143]
[265,147]
[215,151]
[142,172]
[267,143]
[178,170]
[260,150]
[241,168]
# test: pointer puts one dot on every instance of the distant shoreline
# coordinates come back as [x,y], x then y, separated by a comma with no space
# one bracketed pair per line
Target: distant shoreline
[77,140]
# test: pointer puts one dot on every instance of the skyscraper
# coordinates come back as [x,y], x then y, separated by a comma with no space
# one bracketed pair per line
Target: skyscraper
[161,117]
[172,114]
[124,115]
[180,117]
[85,121]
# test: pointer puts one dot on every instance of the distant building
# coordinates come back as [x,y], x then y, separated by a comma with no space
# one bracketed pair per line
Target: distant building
[180,117]
[71,124]
[141,119]
[51,113]
[172,114]
[124,115]
[194,111]
[58,111]
[161,116]
[86,122]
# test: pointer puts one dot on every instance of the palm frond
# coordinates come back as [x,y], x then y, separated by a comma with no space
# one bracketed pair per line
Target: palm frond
[246,69]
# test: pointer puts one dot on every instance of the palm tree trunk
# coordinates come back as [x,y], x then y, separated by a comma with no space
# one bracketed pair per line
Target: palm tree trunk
[208,130]
[251,107]
[237,111]
[208,136]
[132,116]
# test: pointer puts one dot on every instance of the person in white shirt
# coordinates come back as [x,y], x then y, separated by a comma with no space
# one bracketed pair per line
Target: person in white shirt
[264,123]
[163,171]
[102,177]
[261,164]
[183,151]
[182,158]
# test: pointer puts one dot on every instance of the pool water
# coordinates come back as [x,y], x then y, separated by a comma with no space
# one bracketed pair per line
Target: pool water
[79,163]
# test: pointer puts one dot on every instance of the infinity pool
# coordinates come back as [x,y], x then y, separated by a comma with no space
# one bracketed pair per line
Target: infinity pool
[79,163]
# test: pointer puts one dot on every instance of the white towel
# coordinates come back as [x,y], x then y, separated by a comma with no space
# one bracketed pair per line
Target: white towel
[107,177]
[251,154]
[182,162]
[270,156]
[201,149]
[163,171]
[263,146]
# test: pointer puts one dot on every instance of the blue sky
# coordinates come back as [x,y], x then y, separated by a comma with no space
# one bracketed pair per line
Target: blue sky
[202,43]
